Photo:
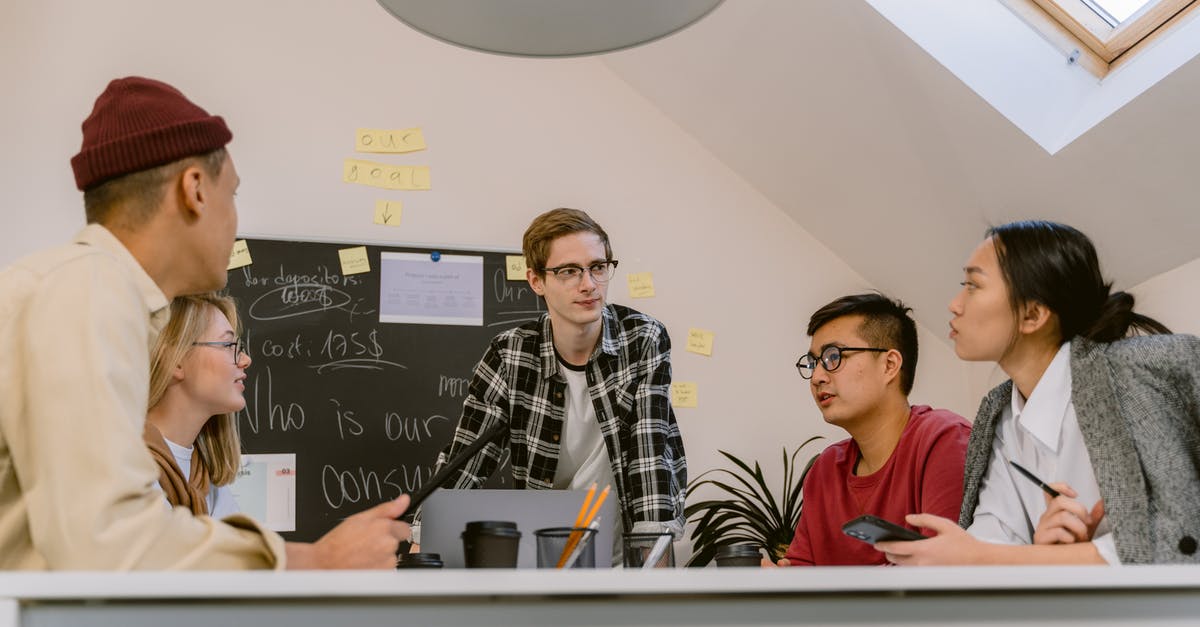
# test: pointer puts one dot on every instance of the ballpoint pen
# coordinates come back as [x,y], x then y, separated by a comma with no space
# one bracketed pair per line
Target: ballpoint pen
[1032,477]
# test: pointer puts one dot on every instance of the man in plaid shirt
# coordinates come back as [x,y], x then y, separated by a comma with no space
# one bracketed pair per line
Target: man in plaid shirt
[584,389]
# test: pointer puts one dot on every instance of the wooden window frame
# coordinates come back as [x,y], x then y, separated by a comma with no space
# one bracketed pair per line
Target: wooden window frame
[1072,26]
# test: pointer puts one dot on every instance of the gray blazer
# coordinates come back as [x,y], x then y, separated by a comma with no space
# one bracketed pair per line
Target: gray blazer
[1138,405]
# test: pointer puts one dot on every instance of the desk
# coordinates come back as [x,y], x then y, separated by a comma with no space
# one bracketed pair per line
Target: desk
[995,596]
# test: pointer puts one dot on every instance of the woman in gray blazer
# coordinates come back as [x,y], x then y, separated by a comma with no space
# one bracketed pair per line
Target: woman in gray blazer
[1090,453]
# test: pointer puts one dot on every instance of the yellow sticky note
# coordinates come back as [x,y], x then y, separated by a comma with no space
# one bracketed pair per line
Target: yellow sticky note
[387,212]
[382,175]
[641,285]
[240,256]
[683,394]
[354,260]
[389,140]
[700,341]
[515,265]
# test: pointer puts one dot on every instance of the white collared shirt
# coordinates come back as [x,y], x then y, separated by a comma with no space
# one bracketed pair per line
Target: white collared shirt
[1042,434]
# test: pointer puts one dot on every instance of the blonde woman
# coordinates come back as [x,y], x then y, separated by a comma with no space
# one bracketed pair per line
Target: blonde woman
[197,375]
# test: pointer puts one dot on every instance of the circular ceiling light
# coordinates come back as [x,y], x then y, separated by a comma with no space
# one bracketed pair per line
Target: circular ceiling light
[548,28]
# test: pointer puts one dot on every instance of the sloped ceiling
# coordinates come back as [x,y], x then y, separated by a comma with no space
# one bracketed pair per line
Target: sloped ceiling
[880,152]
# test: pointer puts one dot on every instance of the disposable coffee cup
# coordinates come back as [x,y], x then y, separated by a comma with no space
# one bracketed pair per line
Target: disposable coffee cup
[649,550]
[419,560]
[491,544]
[738,555]
[566,547]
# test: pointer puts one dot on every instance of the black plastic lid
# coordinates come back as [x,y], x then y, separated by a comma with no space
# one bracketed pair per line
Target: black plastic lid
[492,528]
[738,550]
[420,560]
[420,557]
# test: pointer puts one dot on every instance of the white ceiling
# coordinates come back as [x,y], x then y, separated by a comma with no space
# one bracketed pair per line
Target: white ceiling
[881,153]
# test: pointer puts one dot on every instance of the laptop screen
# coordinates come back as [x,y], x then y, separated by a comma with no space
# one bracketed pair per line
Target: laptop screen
[446,513]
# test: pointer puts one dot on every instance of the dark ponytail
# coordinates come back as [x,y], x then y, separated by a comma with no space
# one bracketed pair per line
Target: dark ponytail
[1118,320]
[1056,265]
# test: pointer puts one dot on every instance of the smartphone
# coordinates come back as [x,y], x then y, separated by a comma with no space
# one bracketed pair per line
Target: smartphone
[871,529]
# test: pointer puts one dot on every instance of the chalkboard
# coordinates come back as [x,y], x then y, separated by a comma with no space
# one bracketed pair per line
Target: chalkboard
[364,405]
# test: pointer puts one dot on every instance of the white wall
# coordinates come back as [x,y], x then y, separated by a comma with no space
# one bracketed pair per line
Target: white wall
[508,138]
[1172,298]
[1024,75]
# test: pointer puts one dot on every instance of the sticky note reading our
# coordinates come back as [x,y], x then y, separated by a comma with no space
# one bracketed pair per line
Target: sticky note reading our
[515,266]
[382,175]
[387,212]
[389,140]
[641,285]
[700,341]
[683,394]
[354,260]
[240,256]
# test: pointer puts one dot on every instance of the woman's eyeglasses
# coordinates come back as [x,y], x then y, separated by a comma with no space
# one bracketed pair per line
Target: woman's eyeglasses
[234,346]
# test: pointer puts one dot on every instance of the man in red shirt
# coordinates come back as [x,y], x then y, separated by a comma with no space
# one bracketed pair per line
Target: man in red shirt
[899,459]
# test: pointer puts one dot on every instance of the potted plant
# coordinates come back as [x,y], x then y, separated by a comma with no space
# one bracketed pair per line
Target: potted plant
[750,513]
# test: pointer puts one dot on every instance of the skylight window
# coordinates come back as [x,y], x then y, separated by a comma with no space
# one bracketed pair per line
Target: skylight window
[1098,34]
[1115,11]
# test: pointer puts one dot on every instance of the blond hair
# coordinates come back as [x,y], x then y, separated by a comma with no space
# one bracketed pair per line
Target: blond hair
[552,225]
[218,444]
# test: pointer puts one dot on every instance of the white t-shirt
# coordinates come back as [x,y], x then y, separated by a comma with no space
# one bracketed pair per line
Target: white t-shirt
[221,502]
[583,457]
[1042,434]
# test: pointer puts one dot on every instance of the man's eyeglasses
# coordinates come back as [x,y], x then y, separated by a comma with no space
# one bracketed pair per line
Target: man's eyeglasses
[601,272]
[235,346]
[831,358]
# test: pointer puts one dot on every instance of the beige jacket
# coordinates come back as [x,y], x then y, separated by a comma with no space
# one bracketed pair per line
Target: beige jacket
[76,481]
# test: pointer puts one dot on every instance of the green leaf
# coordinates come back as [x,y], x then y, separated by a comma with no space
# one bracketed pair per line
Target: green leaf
[749,512]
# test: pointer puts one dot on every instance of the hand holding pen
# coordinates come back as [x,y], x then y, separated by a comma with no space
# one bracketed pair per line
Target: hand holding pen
[1066,520]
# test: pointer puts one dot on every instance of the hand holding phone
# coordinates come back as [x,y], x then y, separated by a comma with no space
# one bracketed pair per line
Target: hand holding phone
[872,529]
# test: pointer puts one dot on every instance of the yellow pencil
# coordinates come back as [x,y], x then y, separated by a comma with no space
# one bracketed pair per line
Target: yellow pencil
[596,506]
[587,500]
[573,539]
[576,536]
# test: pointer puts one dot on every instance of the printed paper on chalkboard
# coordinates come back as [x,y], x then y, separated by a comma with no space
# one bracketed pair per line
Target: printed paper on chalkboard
[414,289]
[265,489]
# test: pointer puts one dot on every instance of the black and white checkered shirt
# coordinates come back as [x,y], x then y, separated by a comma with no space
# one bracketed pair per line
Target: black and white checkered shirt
[628,375]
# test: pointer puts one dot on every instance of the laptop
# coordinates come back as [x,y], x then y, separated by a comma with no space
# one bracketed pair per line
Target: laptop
[446,513]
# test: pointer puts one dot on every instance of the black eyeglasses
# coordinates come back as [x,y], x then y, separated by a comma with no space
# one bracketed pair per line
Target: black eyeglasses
[831,358]
[235,346]
[601,272]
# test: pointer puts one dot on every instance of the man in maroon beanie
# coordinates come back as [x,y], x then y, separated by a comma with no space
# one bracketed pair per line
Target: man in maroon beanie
[77,486]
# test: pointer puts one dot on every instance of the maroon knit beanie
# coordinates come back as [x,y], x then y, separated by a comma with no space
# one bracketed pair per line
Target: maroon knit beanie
[140,123]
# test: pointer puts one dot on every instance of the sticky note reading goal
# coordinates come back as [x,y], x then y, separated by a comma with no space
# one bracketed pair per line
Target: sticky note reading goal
[683,394]
[382,175]
[354,260]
